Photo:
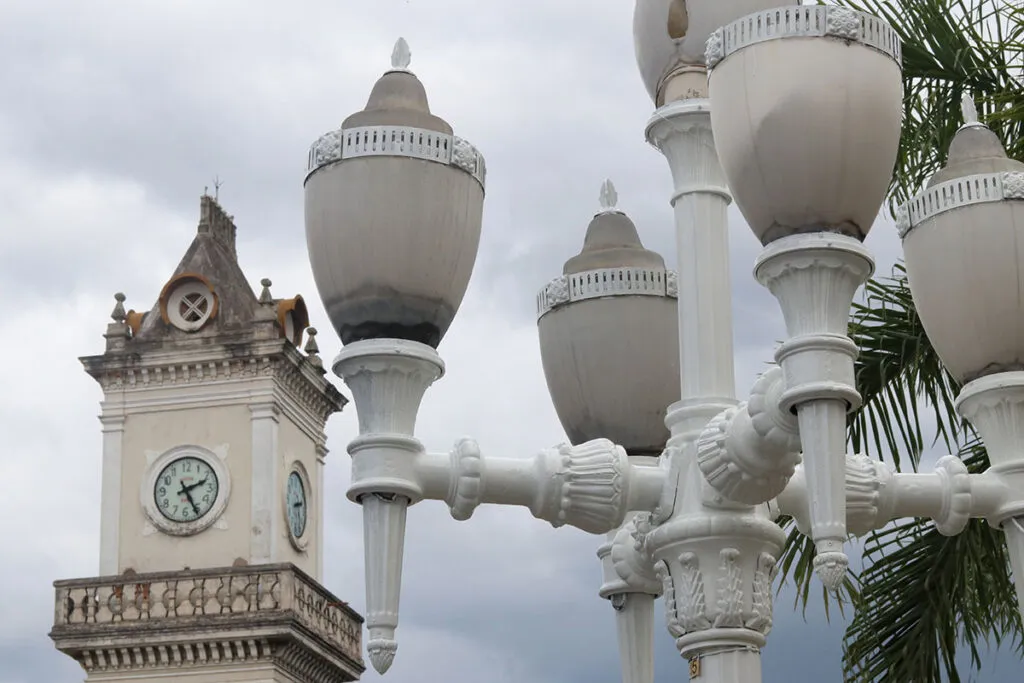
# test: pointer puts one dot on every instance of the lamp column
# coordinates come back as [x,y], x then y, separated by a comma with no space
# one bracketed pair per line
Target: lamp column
[681,130]
[605,382]
[717,592]
[393,209]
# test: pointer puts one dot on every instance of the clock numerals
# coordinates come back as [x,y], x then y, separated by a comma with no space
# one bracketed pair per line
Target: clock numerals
[186,489]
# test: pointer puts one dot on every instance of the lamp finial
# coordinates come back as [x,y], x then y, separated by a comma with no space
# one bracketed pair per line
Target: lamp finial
[609,197]
[401,56]
[970,111]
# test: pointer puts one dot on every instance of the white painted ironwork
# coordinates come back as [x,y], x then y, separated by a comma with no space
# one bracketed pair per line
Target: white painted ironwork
[956,194]
[603,282]
[398,141]
[700,524]
[811,21]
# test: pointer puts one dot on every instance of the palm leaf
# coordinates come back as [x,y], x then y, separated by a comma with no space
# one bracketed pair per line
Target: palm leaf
[952,47]
[897,369]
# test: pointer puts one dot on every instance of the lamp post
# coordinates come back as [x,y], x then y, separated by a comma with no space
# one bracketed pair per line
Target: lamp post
[795,112]
[608,341]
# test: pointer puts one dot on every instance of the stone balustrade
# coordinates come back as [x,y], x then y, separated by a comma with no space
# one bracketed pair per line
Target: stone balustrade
[247,613]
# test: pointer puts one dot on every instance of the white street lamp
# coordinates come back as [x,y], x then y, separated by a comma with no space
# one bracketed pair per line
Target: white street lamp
[808,154]
[805,106]
[608,337]
[608,341]
[963,238]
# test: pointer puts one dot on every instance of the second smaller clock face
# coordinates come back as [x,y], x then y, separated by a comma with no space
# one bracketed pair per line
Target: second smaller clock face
[186,489]
[296,502]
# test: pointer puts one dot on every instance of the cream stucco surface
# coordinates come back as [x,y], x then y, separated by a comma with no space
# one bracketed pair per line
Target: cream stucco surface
[295,445]
[145,549]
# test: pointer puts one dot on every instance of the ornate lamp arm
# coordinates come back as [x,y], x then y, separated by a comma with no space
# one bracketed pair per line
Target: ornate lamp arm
[590,486]
[876,495]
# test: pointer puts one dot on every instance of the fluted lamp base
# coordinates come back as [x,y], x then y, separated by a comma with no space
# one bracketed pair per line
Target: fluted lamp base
[387,378]
[994,404]
[814,277]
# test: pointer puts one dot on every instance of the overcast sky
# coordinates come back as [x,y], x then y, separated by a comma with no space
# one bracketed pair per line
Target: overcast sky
[114,117]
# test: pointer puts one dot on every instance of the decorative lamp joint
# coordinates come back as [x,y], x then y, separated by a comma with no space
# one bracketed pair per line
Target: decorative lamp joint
[591,486]
[748,453]
[632,561]
[957,498]
[467,485]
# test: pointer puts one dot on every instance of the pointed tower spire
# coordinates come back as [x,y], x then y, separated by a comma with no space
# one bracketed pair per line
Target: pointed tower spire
[215,222]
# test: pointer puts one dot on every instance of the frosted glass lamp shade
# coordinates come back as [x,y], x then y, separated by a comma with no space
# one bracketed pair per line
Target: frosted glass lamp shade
[806,109]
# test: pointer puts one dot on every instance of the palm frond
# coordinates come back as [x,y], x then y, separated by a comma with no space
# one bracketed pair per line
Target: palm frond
[952,47]
[899,375]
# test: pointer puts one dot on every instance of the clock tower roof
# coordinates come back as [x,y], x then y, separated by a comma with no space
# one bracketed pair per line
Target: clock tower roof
[208,310]
[208,295]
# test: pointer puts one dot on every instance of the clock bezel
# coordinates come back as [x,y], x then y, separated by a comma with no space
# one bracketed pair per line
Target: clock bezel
[148,488]
[300,543]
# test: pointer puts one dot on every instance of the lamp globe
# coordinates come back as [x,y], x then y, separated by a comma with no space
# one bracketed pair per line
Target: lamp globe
[812,147]
[609,337]
[393,207]
[963,240]
[669,37]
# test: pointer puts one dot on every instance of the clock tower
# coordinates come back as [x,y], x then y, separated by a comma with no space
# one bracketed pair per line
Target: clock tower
[211,539]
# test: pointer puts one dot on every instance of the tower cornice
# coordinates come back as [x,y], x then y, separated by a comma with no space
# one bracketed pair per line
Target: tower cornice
[137,381]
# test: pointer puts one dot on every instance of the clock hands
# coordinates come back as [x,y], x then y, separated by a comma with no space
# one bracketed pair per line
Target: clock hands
[187,490]
[188,494]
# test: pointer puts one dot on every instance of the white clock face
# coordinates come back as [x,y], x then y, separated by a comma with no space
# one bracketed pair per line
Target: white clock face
[295,499]
[186,489]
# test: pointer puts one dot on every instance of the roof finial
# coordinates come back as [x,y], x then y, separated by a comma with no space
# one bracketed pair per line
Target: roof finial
[265,296]
[118,315]
[312,350]
[401,56]
[609,197]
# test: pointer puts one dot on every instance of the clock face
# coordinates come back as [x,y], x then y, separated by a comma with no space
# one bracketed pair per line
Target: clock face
[186,489]
[295,499]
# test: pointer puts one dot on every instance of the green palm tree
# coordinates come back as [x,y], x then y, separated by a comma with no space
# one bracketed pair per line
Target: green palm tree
[922,596]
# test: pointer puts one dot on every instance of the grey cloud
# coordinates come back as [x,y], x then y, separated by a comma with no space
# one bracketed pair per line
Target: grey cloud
[117,114]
